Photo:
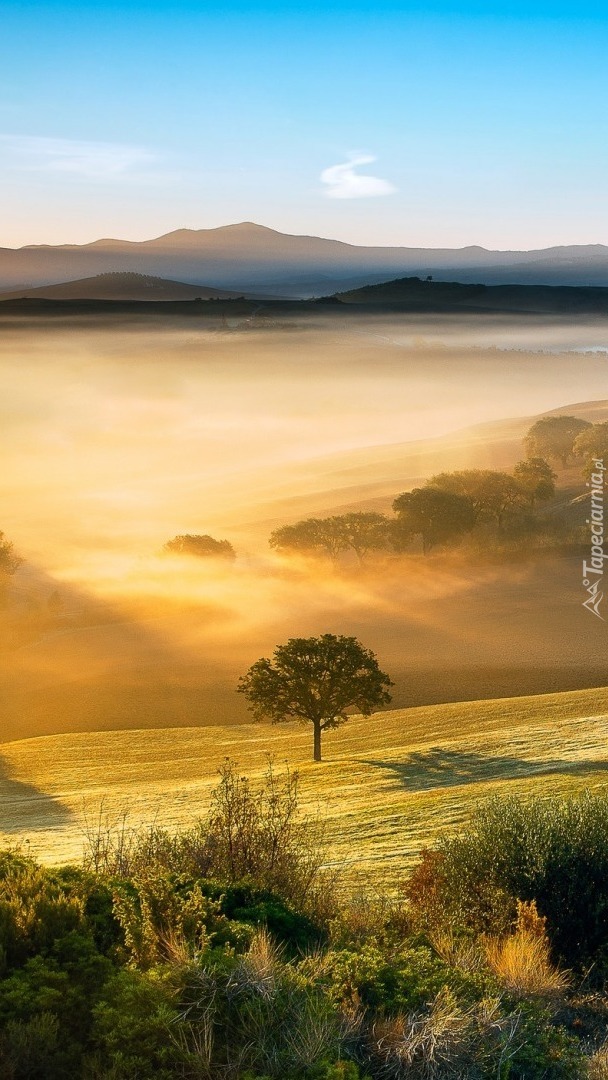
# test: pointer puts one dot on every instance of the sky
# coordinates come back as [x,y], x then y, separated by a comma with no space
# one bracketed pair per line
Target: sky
[437,125]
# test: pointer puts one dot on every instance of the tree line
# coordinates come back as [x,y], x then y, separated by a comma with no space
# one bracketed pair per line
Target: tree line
[452,504]
[447,507]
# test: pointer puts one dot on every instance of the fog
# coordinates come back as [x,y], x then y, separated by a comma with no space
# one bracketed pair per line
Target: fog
[116,436]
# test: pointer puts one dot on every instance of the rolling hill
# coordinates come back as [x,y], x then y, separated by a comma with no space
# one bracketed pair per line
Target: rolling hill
[389,783]
[122,286]
[415,294]
[175,658]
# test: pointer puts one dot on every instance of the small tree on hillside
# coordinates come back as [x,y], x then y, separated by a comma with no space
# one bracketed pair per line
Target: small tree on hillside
[590,445]
[316,680]
[9,562]
[493,494]
[312,536]
[200,546]
[536,478]
[365,531]
[553,437]
[360,532]
[437,516]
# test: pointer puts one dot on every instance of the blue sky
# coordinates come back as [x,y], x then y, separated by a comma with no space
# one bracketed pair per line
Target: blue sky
[442,124]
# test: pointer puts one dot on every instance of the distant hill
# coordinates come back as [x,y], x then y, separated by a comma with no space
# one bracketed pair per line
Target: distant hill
[122,286]
[415,294]
[247,256]
[143,295]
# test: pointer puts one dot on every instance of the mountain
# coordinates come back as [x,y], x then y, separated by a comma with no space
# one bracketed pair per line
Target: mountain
[122,286]
[247,256]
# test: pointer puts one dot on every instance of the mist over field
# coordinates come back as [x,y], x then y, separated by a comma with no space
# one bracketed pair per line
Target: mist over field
[118,434]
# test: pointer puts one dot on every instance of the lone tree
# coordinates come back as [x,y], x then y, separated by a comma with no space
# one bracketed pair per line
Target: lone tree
[316,680]
[200,546]
[554,436]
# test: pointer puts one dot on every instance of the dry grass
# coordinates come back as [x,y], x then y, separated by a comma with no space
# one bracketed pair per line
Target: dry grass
[448,1040]
[522,961]
[598,1064]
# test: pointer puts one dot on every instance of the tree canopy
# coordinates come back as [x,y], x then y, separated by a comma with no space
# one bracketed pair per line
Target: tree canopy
[536,478]
[434,514]
[591,444]
[553,437]
[360,532]
[201,546]
[491,493]
[316,680]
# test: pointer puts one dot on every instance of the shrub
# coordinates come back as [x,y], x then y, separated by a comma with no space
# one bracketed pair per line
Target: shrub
[544,1051]
[260,907]
[391,979]
[261,1013]
[385,980]
[97,901]
[30,1050]
[34,910]
[200,546]
[133,1027]
[253,834]
[451,1039]
[552,851]
[66,984]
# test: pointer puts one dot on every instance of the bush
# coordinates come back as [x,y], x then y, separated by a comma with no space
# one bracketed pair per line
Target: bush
[166,917]
[30,1050]
[200,546]
[261,1013]
[35,911]
[387,980]
[133,1027]
[65,984]
[251,834]
[553,852]
[261,908]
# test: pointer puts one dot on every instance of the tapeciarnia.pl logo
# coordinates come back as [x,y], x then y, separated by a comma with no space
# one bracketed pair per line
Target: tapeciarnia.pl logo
[593,571]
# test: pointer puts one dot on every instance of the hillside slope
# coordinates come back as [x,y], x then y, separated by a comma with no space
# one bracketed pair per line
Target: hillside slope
[169,653]
[122,286]
[390,783]
[414,294]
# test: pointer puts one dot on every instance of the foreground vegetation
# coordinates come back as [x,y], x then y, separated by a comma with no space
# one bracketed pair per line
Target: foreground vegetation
[228,951]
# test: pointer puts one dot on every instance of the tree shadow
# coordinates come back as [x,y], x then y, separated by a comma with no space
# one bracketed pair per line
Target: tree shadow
[442,767]
[25,808]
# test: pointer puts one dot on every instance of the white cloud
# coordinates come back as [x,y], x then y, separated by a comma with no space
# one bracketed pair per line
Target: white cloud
[344,183]
[80,158]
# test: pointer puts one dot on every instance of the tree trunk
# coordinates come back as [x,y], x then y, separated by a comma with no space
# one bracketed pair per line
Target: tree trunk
[317,740]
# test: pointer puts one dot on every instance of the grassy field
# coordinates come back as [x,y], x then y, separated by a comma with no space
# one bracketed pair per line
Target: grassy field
[388,786]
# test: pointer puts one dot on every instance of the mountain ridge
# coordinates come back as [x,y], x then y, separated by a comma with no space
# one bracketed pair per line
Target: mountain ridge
[246,256]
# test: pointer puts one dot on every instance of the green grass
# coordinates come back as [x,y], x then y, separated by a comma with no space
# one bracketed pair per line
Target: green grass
[388,786]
